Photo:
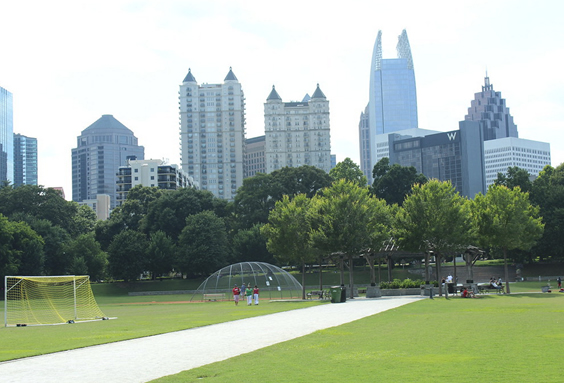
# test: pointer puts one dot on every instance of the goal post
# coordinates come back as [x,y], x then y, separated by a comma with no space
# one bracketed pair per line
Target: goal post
[38,300]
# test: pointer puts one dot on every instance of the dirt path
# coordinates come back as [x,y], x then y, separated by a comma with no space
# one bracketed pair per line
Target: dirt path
[144,359]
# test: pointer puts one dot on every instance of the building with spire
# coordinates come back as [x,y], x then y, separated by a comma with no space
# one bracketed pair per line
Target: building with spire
[6,136]
[392,105]
[212,134]
[297,133]
[101,149]
[492,112]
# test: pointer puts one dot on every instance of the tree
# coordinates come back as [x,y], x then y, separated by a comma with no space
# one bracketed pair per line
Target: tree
[393,183]
[258,195]
[21,249]
[86,254]
[38,202]
[288,232]
[161,254]
[506,219]
[83,221]
[434,218]
[250,245]
[168,213]
[349,171]
[350,220]
[548,194]
[515,176]
[202,245]
[127,257]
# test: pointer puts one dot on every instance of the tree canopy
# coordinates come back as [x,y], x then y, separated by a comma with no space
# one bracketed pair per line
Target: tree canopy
[349,171]
[393,183]
[507,220]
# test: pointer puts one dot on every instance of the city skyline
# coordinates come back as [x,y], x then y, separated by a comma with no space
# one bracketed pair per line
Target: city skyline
[65,70]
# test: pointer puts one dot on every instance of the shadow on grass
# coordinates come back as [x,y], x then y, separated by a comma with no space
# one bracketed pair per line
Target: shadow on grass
[533,295]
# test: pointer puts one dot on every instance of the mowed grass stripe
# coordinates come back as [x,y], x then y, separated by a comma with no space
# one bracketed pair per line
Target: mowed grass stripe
[511,338]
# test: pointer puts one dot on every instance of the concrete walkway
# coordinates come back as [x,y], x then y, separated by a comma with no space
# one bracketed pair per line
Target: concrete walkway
[144,359]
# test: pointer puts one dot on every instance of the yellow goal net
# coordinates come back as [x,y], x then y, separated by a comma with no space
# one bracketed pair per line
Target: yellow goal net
[34,300]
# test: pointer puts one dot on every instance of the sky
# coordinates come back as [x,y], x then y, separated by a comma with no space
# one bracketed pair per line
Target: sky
[69,62]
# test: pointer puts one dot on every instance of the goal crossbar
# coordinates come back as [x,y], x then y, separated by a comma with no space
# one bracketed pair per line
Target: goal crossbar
[41,300]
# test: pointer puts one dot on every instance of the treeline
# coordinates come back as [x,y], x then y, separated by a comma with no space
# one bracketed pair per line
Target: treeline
[190,232]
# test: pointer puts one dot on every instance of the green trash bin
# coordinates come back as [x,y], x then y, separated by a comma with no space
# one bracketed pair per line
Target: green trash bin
[335,294]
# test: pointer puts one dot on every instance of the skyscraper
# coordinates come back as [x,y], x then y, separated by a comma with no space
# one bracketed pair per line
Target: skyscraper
[101,149]
[492,112]
[297,133]
[25,160]
[6,136]
[212,134]
[392,102]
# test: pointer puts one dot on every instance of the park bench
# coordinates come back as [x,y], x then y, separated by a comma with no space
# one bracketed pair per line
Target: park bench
[319,293]
[214,297]
[487,288]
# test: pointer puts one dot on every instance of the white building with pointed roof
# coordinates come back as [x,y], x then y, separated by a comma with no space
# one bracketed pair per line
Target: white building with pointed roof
[297,133]
[212,134]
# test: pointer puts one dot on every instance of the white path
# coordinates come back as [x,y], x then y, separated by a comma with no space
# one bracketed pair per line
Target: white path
[144,359]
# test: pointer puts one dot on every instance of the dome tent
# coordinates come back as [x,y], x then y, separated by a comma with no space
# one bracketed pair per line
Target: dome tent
[273,282]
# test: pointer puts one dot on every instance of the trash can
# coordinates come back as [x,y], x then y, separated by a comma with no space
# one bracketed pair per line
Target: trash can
[337,294]
[450,287]
[343,294]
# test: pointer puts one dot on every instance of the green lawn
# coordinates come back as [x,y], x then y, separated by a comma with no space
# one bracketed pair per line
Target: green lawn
[135,320]
[496,337]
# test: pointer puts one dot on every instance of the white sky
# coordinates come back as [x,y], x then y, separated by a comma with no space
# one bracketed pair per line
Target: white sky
[69,62]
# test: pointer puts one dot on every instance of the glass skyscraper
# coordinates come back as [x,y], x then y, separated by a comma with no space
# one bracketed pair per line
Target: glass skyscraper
[392,102]
[6,136]
[25,160]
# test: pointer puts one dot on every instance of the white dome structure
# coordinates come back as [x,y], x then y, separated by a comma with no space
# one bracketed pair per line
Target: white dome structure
[273,282]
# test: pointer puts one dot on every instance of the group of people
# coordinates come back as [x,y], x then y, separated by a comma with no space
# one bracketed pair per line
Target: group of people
[248,291]
[496,284]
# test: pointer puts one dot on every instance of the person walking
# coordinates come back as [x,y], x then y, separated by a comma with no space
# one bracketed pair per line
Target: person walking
[255,294]
[236,293]
[249,295]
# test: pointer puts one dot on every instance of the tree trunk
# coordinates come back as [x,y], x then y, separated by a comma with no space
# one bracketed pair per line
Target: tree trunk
[439,278]
[303,282]
[320,274]
[506,271]
[370,259]
[342,270]
[351,276]
[427,276]
[389,261]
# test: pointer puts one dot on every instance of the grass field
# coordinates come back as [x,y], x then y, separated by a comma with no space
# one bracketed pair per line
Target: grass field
[137,317]
[496,337]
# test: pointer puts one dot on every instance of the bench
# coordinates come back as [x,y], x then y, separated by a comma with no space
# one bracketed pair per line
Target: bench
[488,288]
[214,297]
[319,293]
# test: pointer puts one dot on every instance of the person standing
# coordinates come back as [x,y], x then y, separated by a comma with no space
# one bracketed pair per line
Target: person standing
[243,288]
[249,295]
[236,293]
[255,294]
[559,280]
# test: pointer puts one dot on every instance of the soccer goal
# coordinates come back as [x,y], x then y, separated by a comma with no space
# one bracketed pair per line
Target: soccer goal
[32,300]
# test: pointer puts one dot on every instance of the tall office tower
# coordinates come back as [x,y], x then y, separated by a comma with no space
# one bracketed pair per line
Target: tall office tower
[255,160]
[25,160]
[392,102]
[456,156]
[297,133]
[212,134]
[101,149]
[491,110]
[6,136]
[503,153]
